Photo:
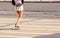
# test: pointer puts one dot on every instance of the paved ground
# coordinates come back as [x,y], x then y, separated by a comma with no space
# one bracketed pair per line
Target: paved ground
[34,7]
[34,24]
[29,28]
[34,10]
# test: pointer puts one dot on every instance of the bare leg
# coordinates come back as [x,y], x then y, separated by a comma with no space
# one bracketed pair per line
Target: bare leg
[19,17]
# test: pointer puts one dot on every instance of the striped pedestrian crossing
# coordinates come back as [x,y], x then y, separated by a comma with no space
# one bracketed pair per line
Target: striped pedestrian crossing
[30,27]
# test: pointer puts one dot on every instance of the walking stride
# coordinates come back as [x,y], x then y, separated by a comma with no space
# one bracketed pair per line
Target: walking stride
[19,9]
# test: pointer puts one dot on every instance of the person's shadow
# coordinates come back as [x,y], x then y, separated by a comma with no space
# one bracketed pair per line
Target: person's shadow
[57,35]
[7,29]
[13,24]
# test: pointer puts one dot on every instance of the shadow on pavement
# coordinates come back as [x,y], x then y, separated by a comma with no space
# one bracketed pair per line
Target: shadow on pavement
[57,35]
[8,29]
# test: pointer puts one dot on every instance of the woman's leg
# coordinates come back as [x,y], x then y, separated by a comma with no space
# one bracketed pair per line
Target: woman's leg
[20,13]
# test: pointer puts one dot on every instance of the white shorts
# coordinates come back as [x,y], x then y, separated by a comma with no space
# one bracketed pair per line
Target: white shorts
[20,8]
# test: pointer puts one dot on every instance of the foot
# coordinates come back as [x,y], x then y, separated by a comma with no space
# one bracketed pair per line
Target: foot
[16,27]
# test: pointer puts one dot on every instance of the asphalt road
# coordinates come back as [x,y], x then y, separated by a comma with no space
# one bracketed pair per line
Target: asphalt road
[35,7]
[32,10]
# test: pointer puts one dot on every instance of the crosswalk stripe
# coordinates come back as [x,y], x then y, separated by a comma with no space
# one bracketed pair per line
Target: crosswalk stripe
[3,36]
[22,24]
[41,26]
[35,28]
[24,33]
[52,29]
[38,31]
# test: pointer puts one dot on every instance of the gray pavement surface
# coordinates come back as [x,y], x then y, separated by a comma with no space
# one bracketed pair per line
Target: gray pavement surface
[32,10]
[34,15]
[34,7]
[57,35]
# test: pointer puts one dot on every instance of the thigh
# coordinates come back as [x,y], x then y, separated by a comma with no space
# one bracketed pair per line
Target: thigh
[19,13]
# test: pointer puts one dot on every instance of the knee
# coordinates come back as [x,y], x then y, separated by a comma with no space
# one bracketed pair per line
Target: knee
[20,13]
[20,16]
